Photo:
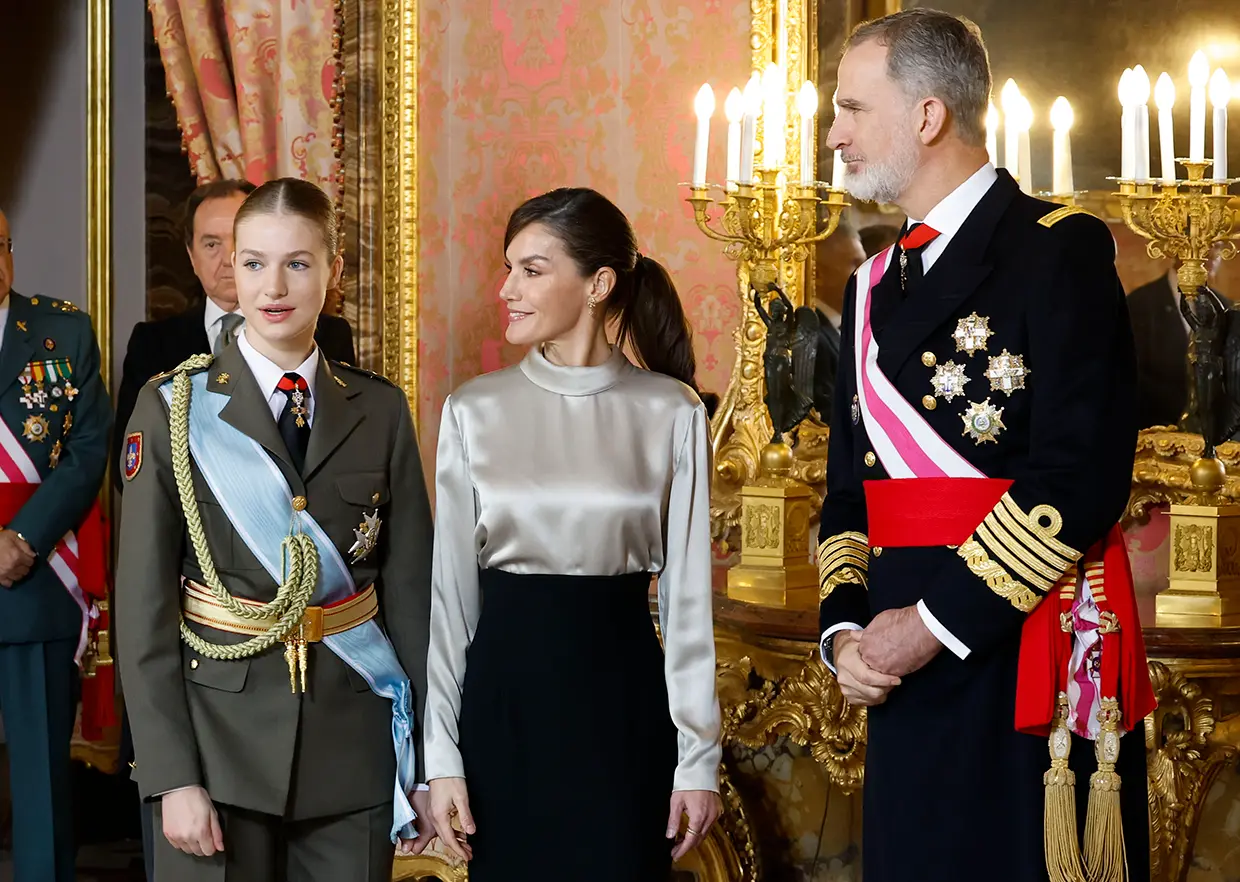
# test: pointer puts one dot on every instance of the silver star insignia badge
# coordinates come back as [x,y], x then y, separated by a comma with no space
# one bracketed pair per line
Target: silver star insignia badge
[1007,372]
[949,380]
[367,533]
[972,333]
[983,422]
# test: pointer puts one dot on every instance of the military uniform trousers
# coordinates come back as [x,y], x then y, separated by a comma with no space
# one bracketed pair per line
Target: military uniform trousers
[38,700]
[258,847]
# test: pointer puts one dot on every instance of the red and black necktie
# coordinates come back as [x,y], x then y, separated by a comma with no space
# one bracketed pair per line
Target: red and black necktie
[294,422]
[911,246]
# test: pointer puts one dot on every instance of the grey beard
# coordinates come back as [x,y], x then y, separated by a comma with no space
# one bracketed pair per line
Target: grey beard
[883,183]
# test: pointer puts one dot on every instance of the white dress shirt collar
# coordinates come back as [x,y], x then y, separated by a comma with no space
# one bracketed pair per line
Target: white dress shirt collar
[950,214]
[211,321]
[268,375]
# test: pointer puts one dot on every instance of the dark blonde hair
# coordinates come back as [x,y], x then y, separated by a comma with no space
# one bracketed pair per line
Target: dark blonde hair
[296,197]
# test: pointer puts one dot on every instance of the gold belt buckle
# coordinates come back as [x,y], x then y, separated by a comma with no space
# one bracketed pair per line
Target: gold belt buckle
[312,624]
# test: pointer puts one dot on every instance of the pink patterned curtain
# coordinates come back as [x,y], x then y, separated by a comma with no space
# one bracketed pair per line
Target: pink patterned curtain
[255,87]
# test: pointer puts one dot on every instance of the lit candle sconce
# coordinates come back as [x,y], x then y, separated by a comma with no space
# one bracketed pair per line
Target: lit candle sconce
[752,97]
[1220,95]
[1164,99]
[1141,123]
[992,133]
[1198,77]
[1010,99]
[1024,122]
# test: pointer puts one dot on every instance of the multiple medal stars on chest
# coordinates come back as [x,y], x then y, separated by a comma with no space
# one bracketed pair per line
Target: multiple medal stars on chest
[983,420]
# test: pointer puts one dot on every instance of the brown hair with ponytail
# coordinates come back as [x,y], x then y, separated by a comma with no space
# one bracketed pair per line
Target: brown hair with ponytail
[644,303]
[296,197]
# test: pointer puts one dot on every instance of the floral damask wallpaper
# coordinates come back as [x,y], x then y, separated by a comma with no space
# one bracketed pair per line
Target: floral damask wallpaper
[521,96]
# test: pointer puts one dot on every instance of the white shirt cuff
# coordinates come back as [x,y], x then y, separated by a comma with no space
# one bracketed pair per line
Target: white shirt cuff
[834,629]
[944,636]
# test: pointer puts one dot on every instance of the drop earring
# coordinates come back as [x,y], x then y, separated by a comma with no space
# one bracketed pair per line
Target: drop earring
[591,302]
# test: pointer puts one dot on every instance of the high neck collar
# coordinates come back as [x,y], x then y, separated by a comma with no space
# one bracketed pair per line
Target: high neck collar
[564,380]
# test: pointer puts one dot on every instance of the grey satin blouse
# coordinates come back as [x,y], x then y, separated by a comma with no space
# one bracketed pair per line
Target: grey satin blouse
[576,471]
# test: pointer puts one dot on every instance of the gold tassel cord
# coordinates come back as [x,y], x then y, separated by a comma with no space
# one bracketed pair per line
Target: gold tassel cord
[1063,852]
[1105,859]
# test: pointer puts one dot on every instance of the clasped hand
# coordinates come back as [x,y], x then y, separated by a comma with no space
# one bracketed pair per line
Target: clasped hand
[16,558]
[870,663]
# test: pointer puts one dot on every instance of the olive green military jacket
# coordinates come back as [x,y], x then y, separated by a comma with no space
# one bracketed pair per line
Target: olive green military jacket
[235,727]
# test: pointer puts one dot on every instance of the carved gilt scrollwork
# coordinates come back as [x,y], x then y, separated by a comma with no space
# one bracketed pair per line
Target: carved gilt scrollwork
[1183,764]
[807,707]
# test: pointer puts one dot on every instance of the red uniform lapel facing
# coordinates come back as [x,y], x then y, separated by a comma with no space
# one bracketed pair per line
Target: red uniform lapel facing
[133,455]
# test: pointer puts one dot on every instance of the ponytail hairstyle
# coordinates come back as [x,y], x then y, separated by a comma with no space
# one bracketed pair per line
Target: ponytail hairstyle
[299,198]
[644,303]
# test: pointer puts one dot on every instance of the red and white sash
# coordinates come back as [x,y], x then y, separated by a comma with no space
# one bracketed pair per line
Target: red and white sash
[18,469]
[909,447]
[904,442]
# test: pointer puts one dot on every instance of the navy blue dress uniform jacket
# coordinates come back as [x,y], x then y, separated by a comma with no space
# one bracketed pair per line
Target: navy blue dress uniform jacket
[952,790]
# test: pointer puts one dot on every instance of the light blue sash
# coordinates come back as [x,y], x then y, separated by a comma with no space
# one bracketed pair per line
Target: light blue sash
[259,504]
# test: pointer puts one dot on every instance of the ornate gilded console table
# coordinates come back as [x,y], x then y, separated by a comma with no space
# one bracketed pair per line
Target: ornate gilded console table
[773,684]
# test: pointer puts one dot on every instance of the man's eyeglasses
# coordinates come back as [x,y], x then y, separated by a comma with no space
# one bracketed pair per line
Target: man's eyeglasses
[6,246]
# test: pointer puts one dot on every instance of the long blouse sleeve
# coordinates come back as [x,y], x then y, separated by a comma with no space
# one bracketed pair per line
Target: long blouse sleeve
[455,599]
[685,614]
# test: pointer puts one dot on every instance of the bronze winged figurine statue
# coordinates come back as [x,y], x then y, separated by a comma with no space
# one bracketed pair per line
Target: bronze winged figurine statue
[1215,364]
[788,361]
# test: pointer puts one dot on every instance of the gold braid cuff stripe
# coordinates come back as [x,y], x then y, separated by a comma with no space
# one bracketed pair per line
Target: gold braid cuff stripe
[832,552]
[842,576]
[996,577]
[1031,548]
[1041,534]
[997,542]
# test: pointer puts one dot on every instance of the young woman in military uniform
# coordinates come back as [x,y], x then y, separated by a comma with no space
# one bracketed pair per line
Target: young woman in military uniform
[272,639]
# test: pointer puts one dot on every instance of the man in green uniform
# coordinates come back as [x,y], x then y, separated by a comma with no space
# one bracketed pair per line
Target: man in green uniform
[55,419]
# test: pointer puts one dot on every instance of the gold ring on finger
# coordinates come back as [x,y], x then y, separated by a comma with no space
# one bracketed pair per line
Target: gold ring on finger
[691,831]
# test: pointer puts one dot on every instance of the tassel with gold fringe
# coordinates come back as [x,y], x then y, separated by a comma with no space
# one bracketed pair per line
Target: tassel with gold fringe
[1063,851]
[1105,860]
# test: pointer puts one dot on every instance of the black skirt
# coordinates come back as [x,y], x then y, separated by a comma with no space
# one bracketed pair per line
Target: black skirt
[565,732]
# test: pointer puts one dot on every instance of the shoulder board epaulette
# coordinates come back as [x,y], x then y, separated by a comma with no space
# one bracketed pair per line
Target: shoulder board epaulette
[65,306]
[193,364]
[54,305]
[365,373]
[1051,218]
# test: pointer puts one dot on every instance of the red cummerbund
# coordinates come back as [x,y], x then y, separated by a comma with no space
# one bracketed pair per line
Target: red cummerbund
[923,512]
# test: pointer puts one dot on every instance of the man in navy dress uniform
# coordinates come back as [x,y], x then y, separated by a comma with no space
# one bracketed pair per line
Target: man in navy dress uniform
[986,361]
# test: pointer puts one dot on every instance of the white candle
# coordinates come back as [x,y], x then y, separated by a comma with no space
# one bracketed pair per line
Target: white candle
[1141,123]
[1009,99]
[807,106]
[1061,156]
[734,110]
[838,170]
[749,126]
[1025,162]
[1164,98]
[992,133]
[774,117]
[1127,163]
[703,106]
[1198,76]
[1220,95]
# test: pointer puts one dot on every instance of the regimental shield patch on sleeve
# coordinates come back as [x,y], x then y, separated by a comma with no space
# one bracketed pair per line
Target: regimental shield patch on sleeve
[133,455]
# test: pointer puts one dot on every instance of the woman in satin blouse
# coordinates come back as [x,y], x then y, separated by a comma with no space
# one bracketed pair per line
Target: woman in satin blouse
[563,485]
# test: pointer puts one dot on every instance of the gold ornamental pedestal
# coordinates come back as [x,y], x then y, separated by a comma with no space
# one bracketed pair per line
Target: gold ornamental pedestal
[774,568]
[1204,589]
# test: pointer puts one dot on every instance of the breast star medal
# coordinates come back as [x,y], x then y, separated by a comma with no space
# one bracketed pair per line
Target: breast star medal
[949,380]
[35,427]
[367,533]
[972,333]
[983,422]
[1007,372]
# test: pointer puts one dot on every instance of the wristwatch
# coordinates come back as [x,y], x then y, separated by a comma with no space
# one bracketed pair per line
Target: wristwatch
[828,646]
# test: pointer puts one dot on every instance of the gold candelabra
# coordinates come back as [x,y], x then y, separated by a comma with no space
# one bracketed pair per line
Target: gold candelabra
[767,227]
[1185,221]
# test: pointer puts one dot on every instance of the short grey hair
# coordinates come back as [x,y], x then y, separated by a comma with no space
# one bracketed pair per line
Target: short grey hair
[933,54]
